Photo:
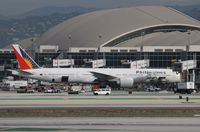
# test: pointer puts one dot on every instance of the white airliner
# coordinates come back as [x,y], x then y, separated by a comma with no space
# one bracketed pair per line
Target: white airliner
[125,78]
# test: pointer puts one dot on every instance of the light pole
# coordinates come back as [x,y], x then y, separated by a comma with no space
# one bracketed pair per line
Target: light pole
[142,35]
[188,32]
[98,50]
[70,37]
[187,50]
[141,46]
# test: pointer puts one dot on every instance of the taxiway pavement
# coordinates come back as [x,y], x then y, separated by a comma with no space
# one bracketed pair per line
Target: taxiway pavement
[105,124]
[15,100]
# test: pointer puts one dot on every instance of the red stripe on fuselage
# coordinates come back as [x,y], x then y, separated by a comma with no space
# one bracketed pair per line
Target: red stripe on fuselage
[23,65]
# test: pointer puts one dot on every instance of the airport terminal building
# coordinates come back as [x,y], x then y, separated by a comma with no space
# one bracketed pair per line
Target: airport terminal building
[161,34]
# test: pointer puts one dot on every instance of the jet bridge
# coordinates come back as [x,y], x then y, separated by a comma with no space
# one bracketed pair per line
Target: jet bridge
[187,70]
[138,64]
[95,63]
[63,62]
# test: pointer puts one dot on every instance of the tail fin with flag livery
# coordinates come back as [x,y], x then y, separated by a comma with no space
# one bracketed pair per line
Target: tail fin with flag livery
[24,60]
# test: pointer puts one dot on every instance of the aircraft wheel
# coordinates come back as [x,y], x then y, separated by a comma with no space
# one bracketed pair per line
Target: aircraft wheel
[95,93]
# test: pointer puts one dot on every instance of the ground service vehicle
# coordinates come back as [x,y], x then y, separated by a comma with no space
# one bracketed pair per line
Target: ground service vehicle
[102,91]
[17,84]
[153,89]
[185,88]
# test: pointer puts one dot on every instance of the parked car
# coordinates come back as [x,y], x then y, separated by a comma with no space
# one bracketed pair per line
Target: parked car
[21,90]
[102,91]
[153,89]
[57,91]
[48,91]
[30,91]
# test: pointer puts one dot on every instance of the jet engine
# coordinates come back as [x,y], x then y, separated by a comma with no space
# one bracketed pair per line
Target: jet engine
[125,82]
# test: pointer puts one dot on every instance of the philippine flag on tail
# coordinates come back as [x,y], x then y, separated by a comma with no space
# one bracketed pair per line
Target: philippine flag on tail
[24,60]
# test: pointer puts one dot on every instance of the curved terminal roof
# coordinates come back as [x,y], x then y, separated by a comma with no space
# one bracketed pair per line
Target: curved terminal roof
[164,39]
[112,27]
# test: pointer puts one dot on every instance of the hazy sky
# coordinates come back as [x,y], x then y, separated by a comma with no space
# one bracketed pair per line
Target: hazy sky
[12,7]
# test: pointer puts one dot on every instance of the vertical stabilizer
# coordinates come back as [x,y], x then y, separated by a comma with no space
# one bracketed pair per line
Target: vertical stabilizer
[24,60]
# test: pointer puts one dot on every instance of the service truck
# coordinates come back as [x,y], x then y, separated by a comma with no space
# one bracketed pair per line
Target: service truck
[11,85]
[185,88]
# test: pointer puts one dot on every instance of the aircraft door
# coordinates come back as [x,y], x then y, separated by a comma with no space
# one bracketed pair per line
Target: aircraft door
[64,79]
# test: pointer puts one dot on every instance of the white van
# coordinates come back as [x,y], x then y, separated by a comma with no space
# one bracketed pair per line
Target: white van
[102,91]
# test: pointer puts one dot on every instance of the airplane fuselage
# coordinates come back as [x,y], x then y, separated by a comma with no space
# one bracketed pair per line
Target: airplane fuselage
[125,78]
[88,75]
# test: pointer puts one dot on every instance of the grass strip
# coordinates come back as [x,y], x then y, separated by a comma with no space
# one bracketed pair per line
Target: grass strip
[99,112]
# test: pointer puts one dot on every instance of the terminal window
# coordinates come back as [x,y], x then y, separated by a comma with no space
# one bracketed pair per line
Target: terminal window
[168,50]
[114,51]
[158,50]
[123,51]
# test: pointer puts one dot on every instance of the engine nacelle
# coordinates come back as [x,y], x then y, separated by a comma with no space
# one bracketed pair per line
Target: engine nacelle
[81,79]
[126,82]
[163,80]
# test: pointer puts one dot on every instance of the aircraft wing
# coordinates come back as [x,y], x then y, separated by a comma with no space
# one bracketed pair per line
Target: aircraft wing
[102,76]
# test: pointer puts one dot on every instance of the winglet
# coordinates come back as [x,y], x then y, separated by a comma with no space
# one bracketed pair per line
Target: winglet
[24,60]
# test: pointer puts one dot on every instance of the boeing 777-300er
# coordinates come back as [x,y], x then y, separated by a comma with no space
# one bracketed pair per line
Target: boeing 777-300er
[120,77]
